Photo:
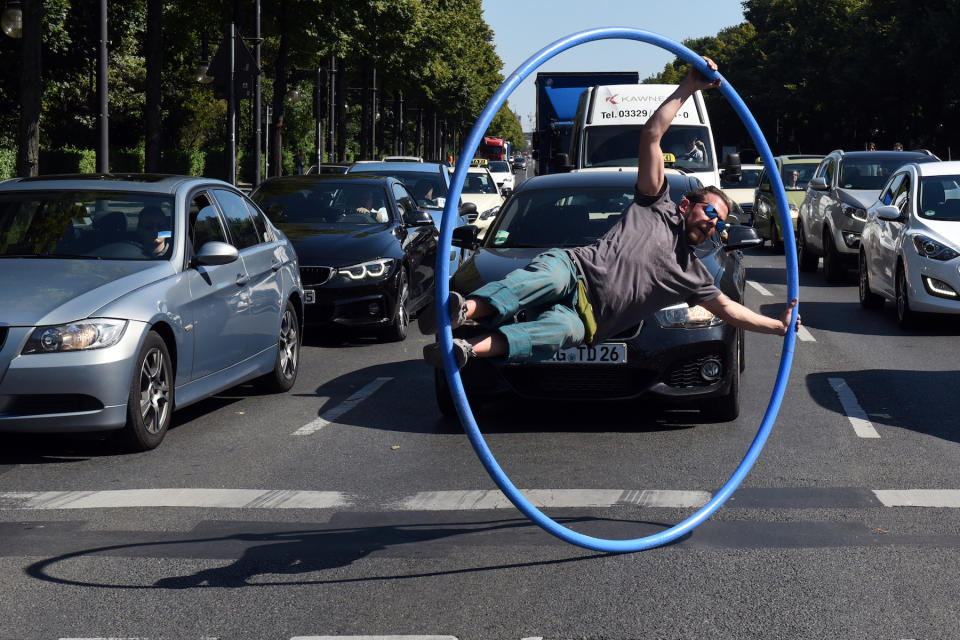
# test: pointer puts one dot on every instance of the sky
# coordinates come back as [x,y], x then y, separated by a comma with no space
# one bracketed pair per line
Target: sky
[523,27]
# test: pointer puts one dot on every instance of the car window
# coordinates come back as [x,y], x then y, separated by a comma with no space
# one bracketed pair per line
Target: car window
[827,170]
[498,166]
[428,187]
[561,217]
[764,180]
[259,221]
[901,197]
[242,229]
[86,224]
[325,202]
[479,183]
[206,227]
[940,198]
[405,203]
[887,196]
[867,173]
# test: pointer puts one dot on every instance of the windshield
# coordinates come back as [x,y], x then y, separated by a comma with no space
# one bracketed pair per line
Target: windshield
[479,183]
[868,173]
[940,198]
[561,217]
[796,176]
[498,166]
[86,224]
[323,203]
[618,146]
[748,180]
[427,187]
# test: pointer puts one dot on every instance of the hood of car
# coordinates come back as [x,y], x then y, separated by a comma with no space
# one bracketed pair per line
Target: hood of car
[339,245]
[36,292]
[484,201]
[947,230]
[740,196]
[862,198]
[488,265]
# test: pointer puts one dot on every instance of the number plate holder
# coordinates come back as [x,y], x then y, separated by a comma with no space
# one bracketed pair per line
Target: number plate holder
[309,296]
[606,353]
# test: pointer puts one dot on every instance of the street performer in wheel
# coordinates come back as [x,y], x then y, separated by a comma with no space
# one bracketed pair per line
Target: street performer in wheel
[586,294]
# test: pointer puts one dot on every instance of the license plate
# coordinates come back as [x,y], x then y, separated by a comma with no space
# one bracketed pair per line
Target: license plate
[309,296]
[606,353]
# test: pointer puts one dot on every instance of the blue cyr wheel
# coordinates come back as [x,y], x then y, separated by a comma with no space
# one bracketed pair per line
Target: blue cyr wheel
[442,293]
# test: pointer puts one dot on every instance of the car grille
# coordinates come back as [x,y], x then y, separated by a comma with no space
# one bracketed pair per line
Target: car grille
[315,276]
[686,375]
[577,382]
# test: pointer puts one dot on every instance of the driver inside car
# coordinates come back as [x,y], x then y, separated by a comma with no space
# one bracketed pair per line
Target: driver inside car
[153,232]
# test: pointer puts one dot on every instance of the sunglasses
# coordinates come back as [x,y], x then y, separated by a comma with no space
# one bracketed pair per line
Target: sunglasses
[712,214]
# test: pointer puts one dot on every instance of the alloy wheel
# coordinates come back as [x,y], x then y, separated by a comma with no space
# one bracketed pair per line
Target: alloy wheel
[154,391]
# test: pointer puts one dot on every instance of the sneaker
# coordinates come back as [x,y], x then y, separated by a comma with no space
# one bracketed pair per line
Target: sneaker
[427,319]
[462,350]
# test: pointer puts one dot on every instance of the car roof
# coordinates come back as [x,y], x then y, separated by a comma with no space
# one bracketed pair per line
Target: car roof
[909,156]
[592,179]
[313,178]
[419,167]
[133,182]
[799,158]
[943,168]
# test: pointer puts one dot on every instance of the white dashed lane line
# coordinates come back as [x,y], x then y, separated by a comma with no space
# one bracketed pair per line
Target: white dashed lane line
[855,413]
[203,498]
[334,414]
[760,288]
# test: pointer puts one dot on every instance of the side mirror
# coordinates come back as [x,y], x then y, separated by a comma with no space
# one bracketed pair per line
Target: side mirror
[732,171]
[889,212]
[468,209]
[465,237]
[215,253]
[418,218]
[506,192]
[741,237]
[819,184]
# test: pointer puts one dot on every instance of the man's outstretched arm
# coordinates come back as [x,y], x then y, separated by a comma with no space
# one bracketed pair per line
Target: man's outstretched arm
[740,316]
[650,161]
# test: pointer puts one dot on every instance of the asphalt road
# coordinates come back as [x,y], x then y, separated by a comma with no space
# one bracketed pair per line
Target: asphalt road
[348,507]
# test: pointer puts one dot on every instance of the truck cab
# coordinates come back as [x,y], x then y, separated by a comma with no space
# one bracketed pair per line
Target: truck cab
[609,118]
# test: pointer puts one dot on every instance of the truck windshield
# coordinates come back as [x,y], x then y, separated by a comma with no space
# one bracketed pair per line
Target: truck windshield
[617,146]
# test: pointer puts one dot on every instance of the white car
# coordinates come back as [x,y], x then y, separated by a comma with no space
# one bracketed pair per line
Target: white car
[743,192]
[481,189]
[502,174]
[910,247]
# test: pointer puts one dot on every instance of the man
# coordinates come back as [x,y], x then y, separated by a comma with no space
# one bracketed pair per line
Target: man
[643,263]
[153,232]
[695,150]
[793,178]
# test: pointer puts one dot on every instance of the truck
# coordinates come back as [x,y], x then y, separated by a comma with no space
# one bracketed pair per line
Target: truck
[493,148]
[558,94]
[607,124]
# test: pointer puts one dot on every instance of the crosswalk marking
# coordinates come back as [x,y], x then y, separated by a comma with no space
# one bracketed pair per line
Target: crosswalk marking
[855,413]
[334,414]
[936,498]
[206,498]
[760,288]
[545,498]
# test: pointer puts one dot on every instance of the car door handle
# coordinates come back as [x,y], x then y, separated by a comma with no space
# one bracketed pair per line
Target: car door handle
[242,279]
[276,264]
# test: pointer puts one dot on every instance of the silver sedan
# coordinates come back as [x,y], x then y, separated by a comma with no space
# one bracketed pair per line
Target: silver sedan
[124,299]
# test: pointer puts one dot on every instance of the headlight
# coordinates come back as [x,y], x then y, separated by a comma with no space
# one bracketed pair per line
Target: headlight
[76,336]
[489,213]
[683,317]
[855,213]
[932,249]
[371,270]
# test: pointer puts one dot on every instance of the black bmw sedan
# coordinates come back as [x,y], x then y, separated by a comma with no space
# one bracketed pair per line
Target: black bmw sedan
[684,355]
[366,251]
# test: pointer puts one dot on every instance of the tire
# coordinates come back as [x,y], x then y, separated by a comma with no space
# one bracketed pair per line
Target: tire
[868,299]
[396,331]
[727,408]
[150,402]
[776,238]
[287,364]
[806,261]
[906,317]
[833,270]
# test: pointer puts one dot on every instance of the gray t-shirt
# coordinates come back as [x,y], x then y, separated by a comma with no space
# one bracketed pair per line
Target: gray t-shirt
[642,264]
